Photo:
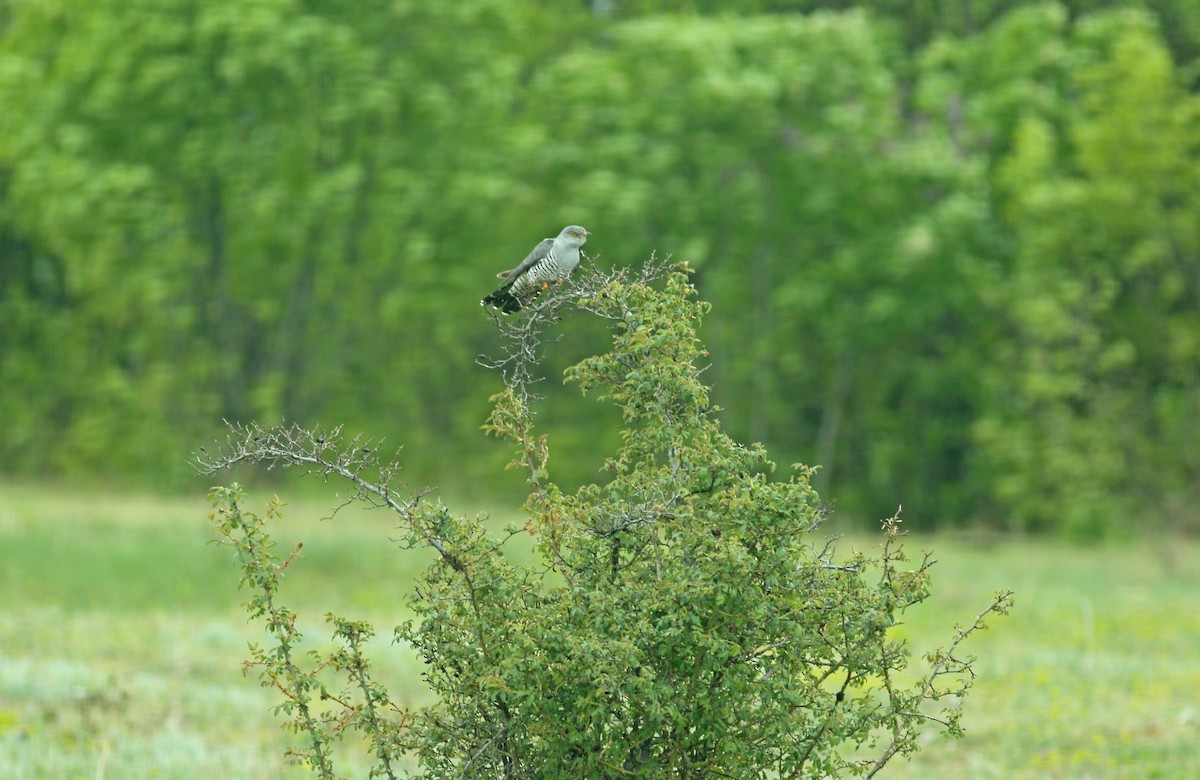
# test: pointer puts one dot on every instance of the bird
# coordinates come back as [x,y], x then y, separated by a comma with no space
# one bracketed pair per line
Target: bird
[552,260]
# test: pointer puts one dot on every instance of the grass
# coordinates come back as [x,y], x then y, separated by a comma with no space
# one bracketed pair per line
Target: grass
[121,641]
[1096,674]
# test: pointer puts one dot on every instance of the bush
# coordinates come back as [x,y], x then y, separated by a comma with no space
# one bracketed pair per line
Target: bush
[685,620]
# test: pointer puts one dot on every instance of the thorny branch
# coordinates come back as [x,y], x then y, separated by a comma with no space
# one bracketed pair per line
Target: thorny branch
[325,453]
[944,662]
[280,670]
[903,590]
[524,337]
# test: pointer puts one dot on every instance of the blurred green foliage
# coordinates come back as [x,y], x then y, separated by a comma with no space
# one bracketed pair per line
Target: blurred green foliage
[953,249]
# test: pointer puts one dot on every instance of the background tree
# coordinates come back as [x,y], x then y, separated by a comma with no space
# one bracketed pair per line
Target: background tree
[1099,271]
[952,245]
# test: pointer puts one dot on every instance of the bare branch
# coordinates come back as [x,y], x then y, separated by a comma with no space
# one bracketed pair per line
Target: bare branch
[324,453]
[524,335]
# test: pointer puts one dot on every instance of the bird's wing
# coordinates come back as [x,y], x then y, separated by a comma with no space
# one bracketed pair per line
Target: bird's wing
[539,251]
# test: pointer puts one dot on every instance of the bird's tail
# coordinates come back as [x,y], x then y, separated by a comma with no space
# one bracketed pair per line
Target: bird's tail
[503,299]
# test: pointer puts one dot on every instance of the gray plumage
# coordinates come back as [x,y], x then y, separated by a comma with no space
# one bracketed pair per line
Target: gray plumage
[551,261]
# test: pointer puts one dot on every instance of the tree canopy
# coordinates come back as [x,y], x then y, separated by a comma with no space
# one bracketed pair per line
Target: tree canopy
[953,249]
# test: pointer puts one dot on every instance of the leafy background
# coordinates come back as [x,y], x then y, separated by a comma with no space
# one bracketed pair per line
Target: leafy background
[953,248]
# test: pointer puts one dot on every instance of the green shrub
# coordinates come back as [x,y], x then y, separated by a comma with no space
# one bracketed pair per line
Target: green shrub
[684,619]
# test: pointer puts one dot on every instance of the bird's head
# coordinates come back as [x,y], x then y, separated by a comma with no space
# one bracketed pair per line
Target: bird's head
[574,234]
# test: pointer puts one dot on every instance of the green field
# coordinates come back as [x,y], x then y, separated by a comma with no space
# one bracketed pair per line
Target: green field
[121,641]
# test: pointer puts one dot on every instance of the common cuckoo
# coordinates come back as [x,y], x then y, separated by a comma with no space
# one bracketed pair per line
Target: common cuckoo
[552,260]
